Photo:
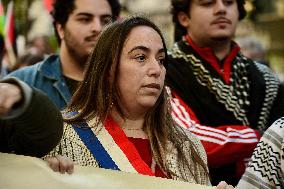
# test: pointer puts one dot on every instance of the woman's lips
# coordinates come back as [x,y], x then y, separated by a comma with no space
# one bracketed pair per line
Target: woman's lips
[153,85]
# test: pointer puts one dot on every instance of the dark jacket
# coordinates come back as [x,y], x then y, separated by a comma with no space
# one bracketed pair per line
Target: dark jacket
[19,132]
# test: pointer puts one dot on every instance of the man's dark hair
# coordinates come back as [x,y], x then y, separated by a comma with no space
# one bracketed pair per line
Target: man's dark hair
[63,8]
[183,6]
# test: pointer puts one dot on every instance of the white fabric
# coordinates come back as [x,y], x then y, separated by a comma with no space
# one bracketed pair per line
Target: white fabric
[27,172]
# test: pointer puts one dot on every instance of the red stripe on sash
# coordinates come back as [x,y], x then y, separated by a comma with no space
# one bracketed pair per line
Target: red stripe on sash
[127,147]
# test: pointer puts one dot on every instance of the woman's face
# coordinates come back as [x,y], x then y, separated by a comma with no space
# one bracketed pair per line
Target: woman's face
[141,70]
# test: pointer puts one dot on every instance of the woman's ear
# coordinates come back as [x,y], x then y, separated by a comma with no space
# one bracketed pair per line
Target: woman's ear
[183,19]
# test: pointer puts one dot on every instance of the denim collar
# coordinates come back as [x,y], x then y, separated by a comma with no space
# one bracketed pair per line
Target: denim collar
[51,67]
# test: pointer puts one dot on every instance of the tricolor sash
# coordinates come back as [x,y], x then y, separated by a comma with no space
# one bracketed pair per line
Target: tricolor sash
[111,147]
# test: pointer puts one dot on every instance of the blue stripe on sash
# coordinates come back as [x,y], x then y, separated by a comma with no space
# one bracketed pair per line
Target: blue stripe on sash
[94,145]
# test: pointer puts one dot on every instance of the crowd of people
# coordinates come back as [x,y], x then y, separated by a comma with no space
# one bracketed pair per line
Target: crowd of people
[195,112]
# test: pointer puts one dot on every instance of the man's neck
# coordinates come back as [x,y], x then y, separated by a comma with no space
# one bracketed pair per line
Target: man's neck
[220,47]
[221,50]
[71,68]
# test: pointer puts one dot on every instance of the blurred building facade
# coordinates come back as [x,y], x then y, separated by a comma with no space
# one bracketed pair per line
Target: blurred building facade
[157,10]
[266,24]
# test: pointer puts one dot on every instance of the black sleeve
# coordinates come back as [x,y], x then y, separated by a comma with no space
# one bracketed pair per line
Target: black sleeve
[277,110]
[35,132]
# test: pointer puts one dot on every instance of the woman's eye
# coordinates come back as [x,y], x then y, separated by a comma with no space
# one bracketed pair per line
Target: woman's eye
[229,2]
[140,58]
[162,61]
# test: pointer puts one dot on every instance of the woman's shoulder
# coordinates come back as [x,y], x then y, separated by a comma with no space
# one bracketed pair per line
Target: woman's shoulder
[197,145]
[189,141]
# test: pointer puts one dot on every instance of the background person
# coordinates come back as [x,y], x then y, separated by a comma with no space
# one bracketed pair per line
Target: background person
[219,86]
[252,48]
[27,59]
[77,25]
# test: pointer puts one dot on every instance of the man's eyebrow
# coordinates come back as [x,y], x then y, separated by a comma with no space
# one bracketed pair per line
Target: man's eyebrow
[84,14]
[106,15]
[91,15]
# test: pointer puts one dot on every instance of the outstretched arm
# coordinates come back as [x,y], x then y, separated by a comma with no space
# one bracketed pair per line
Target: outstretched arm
[30,124]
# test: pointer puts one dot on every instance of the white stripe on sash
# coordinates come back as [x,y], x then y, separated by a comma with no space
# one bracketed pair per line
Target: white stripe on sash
[112,148]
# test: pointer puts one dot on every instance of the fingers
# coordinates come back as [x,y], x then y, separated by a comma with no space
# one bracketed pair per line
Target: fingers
[53,163]
[65,164]
[61,164]
[9,95]
[224,185]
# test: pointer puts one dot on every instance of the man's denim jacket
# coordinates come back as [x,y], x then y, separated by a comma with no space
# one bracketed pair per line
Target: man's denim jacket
[46,76]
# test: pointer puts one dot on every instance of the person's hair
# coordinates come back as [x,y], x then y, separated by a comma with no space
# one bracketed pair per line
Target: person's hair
[98,93]
[63,8]
[183,6]
[27,59]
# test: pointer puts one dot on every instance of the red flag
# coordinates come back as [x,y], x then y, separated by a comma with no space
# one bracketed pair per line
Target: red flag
[2,19]
[9,33]
[9,24]
[48,5]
